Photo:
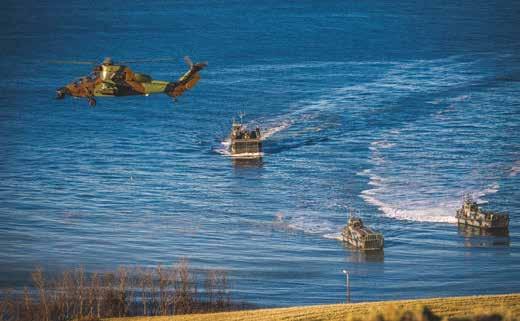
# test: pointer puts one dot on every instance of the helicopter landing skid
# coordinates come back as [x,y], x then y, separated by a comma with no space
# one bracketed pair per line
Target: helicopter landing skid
[91,101]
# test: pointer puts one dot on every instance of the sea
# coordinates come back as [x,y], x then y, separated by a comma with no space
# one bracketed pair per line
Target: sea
[392,111]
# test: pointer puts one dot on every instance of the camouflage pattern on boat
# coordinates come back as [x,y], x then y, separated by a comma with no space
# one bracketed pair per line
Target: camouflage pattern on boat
[471,214]
[360,236]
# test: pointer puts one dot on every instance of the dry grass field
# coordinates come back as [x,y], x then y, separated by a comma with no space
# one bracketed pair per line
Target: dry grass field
[445,307]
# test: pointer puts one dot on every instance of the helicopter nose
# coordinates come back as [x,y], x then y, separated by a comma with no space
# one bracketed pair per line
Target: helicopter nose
[60,93]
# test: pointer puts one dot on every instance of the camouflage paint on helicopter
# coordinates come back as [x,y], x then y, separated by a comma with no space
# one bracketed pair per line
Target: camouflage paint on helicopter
[109,79]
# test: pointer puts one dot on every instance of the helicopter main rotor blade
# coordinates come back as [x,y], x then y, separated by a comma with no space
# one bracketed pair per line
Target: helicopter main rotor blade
[72,62]
[148,60]
[188,61]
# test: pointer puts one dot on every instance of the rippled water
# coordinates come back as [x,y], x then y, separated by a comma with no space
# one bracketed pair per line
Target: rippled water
[395,110]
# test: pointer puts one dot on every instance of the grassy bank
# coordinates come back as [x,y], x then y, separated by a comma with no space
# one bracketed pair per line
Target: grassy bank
[444,307]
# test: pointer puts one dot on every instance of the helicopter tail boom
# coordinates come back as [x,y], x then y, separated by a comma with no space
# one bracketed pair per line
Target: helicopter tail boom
[186,81]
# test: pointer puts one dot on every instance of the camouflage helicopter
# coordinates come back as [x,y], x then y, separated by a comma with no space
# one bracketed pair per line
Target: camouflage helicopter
[110,79]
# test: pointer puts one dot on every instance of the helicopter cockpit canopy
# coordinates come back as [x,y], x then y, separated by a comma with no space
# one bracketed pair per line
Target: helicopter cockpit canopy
[108,72]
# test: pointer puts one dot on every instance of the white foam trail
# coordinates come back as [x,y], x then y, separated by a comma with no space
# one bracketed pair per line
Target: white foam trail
[419,175]
[277,67]
[442,211]
[311,225]
[450,100]
[381,144]
[375,146]
[402,77]
[459,98]
[308,222]
[307,65]
[223,149]
[401,207]
[445,214]
[268,132]
[366,172]
[492,189]
[334,236]
[435,101]
[515,169]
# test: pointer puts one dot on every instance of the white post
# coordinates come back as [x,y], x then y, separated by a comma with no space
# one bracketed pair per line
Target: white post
[347,275]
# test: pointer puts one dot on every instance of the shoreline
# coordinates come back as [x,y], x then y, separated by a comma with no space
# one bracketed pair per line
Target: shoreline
[460,306]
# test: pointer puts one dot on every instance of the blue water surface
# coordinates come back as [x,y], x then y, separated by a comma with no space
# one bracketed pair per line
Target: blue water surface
[393,108]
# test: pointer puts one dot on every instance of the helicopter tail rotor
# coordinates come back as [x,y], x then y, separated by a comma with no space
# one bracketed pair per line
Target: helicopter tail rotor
[197,66]
[188,61]
[186,81]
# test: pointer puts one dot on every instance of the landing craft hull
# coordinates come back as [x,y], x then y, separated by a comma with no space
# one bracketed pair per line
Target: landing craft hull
[245,144]
[487,225]
[247,156]
[246,148]
[369,244]
[363,246]
[471,214]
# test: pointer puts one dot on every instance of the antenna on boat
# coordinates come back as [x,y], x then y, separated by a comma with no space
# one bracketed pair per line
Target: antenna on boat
[467,197]
[241,115]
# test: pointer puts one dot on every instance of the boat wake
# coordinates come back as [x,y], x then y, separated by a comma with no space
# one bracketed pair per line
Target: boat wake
[322,109]
[275,128]
[515,169]
[308,222]
[419,172]
[223,147]
[438,208]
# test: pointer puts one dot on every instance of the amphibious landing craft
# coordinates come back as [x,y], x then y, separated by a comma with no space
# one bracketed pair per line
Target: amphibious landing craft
[110,79]
[244,143]
[358,235]
[472,215]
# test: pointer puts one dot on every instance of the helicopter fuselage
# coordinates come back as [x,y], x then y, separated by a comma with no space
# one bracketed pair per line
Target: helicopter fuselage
[118,80]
